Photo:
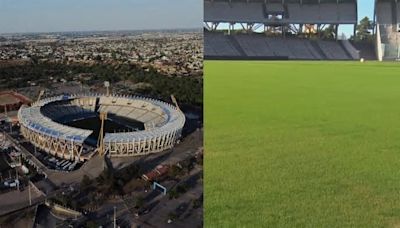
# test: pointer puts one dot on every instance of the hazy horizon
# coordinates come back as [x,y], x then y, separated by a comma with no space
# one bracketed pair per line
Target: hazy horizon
[100,31]
[52,16]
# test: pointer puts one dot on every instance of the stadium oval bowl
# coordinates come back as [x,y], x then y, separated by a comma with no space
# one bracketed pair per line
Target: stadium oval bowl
[43,125]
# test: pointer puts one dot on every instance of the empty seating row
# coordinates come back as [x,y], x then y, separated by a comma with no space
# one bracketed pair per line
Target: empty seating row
[219,44]
[260,46]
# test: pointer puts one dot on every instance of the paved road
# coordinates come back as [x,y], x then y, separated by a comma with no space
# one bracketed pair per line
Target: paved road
[163,206]
[17,200]
[94,166]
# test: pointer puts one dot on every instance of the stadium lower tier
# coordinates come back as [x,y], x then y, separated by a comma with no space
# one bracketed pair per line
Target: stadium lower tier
[257,46]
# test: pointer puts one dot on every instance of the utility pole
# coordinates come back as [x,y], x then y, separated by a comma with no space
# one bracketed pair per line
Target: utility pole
[30,197]
[115,217]
[16,179]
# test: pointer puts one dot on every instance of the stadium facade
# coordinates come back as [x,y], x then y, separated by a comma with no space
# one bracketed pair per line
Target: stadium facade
[43,125]
[291,29]
[280,14]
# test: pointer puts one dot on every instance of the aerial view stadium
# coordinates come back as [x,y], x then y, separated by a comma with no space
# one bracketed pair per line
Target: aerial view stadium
[147,125]
[101,114]
[311,142]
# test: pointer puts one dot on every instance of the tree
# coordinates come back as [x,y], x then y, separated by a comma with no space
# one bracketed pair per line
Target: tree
[364,28]
[86,182]
[329,32]
[91,224]
[113,55]
[139,202]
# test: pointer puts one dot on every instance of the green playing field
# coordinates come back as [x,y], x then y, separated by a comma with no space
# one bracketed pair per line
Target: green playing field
[302,144]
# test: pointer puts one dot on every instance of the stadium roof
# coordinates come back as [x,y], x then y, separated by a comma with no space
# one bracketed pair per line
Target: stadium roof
[175,122]
[33,119]
[293,1]
[291,11]
[36,121]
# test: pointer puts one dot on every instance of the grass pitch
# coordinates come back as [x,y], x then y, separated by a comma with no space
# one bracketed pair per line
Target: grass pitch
[8,99]
[302,144]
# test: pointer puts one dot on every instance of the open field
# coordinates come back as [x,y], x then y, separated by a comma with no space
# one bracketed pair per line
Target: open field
[8,99]
[302,144]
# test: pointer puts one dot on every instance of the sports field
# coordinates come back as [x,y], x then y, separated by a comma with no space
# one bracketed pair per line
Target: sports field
[302,144]
[8,99]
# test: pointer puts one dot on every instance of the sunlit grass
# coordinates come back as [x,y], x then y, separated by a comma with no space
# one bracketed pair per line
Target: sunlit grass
[302,144]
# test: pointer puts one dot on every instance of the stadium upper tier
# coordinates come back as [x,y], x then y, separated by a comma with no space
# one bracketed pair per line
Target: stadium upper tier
[247,46]
[387,12]
[388,29]
[43,124]
[275,12]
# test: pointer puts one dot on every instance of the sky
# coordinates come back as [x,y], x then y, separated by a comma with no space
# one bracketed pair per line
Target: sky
[20,16]
[88,15]
[365,8]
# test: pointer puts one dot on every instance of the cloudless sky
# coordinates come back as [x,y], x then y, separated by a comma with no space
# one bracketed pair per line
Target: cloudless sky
[365,8]
[83,15]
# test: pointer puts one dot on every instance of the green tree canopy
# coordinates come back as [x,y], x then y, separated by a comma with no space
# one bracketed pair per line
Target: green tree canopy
[364,30]
[329,32]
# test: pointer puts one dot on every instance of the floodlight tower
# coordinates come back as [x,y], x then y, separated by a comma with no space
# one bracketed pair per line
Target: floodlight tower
[100,142]
[41,93]
[107,85]
[175,102]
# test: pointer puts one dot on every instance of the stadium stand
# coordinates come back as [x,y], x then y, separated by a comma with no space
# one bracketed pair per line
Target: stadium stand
[333,50]
[366,50]
[258,46]
[218,44]
[282,21]
[43,124]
